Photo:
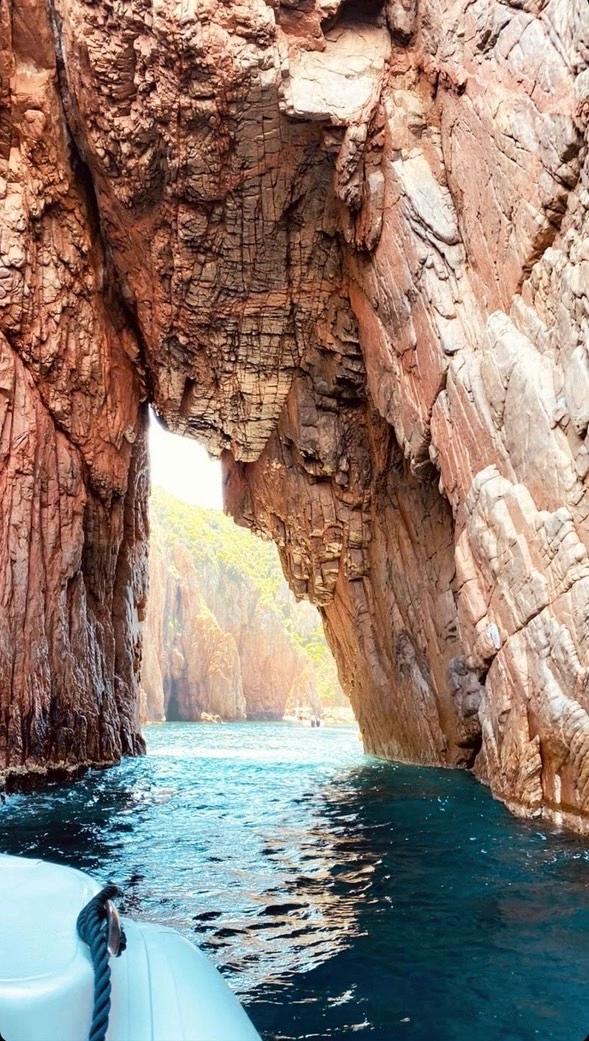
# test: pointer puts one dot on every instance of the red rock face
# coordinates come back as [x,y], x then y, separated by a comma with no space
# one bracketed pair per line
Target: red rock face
[190,665]
[345,244]
[73,467]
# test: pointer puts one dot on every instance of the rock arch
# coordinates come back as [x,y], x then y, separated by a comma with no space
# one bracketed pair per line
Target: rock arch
[344,245]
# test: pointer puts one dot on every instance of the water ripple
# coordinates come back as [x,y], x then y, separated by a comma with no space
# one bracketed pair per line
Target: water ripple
[341,896]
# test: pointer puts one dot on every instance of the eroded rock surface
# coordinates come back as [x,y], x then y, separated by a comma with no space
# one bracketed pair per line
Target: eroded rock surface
[346,244]
[72,453]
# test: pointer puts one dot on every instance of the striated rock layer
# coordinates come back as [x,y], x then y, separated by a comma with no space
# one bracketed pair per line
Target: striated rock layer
[345,243]
[72,452]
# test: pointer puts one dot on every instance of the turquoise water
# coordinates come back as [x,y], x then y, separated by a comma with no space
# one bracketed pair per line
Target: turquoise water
[342,897]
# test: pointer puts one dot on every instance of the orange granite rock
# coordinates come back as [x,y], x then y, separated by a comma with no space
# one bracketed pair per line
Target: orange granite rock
[345,244]
[191,666]
[73,474]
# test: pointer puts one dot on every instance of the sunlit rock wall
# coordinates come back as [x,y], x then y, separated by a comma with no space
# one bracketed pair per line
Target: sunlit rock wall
[347,242]
[191,665]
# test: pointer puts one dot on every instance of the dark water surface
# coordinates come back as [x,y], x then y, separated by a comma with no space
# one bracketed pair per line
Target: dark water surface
[341,896]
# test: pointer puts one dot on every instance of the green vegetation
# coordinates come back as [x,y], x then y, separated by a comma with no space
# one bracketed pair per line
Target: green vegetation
[224,554]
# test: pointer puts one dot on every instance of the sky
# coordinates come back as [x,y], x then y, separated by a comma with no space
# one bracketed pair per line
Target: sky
[184,468]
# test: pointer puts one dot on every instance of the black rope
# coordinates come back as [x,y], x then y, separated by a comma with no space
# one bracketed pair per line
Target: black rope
[93,929]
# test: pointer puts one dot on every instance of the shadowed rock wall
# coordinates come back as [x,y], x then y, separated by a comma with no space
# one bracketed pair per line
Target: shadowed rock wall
[345,244]
[72,449]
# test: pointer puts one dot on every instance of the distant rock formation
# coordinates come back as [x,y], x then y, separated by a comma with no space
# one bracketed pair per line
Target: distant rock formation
[224,635]
[190,666]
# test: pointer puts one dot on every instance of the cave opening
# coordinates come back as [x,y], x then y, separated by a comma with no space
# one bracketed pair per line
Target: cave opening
[225,639]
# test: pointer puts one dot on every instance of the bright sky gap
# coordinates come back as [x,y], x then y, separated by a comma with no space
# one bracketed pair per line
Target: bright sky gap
[184,468]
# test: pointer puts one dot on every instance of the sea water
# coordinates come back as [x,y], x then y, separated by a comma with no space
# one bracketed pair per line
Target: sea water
[341,896]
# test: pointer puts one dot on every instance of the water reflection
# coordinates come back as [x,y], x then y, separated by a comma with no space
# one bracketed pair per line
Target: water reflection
[340,895]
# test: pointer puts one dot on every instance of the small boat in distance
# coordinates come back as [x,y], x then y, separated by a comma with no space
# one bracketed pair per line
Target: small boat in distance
[304,716]
[163,987]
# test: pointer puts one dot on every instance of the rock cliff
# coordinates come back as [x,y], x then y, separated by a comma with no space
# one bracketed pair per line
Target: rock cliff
[190,666]
[224,635]
[345,244]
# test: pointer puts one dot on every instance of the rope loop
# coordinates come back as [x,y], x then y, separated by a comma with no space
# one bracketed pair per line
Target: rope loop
[95,928]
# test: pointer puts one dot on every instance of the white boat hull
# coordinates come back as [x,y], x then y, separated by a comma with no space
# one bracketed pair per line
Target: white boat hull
[163,988]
